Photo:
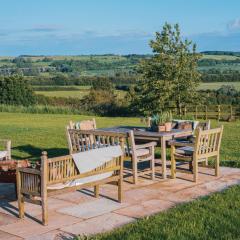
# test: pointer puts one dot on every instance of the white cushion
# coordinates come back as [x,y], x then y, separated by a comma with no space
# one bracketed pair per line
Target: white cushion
[3,154]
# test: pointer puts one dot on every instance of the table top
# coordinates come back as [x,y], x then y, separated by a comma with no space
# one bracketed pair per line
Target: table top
[145,132]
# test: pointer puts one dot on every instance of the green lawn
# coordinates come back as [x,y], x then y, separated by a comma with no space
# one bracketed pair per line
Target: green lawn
[32,133]
[212,217]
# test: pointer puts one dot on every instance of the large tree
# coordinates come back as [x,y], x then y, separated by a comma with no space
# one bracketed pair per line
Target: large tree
[170,76]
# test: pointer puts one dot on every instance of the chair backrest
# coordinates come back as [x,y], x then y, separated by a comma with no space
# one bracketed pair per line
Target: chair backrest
[84,140]
[208,142]
[83,125]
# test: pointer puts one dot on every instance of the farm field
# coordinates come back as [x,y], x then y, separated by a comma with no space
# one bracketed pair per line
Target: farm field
[81,91]
[33,133]
[74,93]
[217,85]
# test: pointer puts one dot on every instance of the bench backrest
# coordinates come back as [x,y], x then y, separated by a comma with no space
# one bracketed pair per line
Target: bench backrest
[84,140]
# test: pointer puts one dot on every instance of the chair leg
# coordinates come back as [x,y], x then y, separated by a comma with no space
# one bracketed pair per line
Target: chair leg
[152,162]
[217,166]
[44,213]
[135,172]
[173,166]
[195,170]
[96,191]
[21,206]
[120,190]
[19,196]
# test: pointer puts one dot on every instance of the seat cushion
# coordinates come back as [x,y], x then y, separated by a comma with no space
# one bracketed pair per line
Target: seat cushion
[3,154]
[186,151]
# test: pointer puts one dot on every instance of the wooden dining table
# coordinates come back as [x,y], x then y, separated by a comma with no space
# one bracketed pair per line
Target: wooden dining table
[144,134]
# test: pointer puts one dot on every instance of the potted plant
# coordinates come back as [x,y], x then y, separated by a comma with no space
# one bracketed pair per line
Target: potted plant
[162,122]
[157,123]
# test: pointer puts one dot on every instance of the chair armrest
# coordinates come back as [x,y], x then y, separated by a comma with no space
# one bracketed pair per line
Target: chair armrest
[146,145]
[180,144]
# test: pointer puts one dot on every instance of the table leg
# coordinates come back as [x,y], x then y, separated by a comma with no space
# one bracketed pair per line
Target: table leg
[163,157]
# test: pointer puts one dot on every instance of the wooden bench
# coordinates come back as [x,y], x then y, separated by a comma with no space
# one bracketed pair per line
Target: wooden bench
[84,140]
[33,185]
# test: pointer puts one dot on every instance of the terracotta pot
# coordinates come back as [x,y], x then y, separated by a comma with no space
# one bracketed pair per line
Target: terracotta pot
[168,126]
[161,128]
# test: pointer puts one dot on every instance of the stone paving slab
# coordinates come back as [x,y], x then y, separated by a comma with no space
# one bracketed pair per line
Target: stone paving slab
[7,236]
[92,209]
[31,210]
[98,224]
[145,208]
[76,197]
[26,228]
[53,235]
[6,219]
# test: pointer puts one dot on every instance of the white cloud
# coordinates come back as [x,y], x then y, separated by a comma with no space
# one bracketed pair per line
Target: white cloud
[234,25]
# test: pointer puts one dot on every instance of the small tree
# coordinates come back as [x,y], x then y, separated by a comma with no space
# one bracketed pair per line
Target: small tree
[170,75]
[14,90]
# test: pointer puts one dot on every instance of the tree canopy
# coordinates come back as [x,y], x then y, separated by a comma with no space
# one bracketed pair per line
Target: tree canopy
[14,90]
[170,76]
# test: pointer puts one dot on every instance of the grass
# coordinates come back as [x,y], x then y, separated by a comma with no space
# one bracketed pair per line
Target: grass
[33,133]
[212,217]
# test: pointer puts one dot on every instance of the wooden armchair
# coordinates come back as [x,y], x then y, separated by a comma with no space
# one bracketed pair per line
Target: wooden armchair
[5,153]
[141,153]
[207,144]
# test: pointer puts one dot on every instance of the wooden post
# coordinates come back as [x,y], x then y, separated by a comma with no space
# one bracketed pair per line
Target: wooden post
[19,195]
[8,147]
[163,156]
[185,111]
[206,112]
[173,162]
[148,121]
[44,179]
[231,112]
[219,112]
[120,181]
[96,191]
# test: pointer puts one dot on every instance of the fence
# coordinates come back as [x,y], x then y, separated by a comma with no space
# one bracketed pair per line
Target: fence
[219,112]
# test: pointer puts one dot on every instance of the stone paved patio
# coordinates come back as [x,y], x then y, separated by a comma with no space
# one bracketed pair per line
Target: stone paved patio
[80,213]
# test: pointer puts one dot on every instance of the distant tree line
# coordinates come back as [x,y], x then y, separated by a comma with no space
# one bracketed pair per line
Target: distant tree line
[237,54]
[217,75]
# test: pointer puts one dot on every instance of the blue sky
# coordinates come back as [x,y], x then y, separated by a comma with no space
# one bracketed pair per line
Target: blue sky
[55,27]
